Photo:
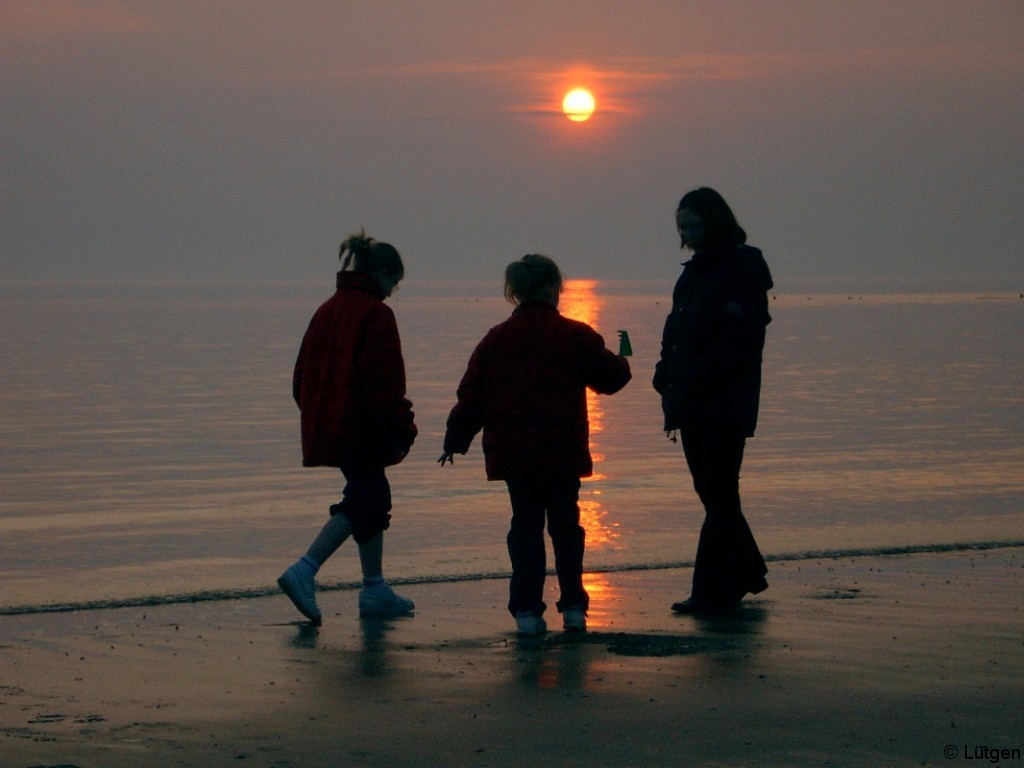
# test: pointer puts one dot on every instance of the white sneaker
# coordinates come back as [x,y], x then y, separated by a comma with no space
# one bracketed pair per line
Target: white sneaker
[530,624]
[301,588]
[574,620]
[382,601]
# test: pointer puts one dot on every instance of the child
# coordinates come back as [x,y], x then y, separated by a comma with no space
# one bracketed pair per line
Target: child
[525,386]
[349,383]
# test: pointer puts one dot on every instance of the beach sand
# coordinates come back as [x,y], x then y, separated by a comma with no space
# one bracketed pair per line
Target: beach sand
[865,661]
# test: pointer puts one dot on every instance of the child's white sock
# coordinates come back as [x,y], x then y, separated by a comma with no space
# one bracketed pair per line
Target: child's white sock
[373,582]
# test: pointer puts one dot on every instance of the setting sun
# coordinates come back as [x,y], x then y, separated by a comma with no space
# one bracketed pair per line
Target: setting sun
[578,104]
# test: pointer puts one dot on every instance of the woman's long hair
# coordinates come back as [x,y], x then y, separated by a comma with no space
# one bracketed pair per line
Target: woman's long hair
[719,223]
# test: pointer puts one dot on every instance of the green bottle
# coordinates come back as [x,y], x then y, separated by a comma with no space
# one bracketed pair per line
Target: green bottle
[625,348]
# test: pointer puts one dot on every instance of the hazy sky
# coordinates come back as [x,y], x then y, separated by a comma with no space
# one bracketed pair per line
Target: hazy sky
[241,139]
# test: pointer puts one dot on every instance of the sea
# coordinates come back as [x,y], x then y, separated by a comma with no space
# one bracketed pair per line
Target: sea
[149,444]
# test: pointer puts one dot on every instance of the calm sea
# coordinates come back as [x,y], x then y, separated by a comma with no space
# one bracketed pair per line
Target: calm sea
[149,444]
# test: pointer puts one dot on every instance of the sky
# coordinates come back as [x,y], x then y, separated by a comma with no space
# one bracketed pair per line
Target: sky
[242,139]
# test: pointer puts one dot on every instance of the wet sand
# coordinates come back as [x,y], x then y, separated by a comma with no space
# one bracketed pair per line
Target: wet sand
[866,661]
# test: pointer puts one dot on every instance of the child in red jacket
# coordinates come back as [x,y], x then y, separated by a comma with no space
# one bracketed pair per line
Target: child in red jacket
[525,386]
[349,384]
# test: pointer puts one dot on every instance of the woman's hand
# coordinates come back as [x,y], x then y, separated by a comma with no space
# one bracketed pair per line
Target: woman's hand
[448,457]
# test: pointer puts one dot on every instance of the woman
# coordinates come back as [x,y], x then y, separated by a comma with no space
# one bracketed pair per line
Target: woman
[709,379]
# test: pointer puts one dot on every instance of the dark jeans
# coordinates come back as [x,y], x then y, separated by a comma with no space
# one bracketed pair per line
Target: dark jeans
[366,501]
[729,563]
[533,499]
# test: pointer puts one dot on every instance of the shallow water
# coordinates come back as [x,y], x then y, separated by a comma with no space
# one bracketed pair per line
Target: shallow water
[149,443]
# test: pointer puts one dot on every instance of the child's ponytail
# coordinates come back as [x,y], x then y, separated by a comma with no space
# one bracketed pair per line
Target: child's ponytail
[361,253]
[355,250]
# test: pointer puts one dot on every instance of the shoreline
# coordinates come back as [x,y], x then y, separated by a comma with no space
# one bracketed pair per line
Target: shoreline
[858,661]
[255,593]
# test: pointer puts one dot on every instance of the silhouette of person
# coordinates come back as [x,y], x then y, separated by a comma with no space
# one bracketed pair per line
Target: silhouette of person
[349,384]
[525,386]
[709,379]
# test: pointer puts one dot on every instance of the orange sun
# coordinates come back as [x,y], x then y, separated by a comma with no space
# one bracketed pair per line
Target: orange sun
[578,104]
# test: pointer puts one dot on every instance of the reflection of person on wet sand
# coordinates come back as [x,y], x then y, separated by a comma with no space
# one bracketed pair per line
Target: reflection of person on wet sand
[525,386]
[709,378]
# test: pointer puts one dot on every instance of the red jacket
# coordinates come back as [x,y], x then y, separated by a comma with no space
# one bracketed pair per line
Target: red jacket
[525,386]
[349,380]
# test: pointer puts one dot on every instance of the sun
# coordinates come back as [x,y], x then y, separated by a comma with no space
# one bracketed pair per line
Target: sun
[578,104]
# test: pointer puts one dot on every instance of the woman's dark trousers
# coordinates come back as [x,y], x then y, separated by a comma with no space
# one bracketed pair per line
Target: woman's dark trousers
[729,563]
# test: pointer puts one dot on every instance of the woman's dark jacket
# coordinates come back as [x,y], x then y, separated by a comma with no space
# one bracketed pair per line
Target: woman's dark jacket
[709,375]
[349,380]
[525,386]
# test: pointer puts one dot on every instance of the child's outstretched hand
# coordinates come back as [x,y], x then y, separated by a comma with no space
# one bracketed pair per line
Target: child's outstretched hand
[446,457]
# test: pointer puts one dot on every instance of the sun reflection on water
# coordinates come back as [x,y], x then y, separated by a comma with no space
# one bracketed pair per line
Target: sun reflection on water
[579,301]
